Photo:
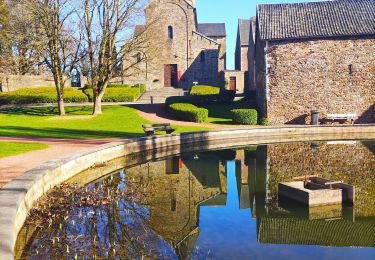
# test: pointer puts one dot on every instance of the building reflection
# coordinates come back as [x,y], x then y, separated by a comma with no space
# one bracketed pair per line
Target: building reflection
[193,181]
[161,203]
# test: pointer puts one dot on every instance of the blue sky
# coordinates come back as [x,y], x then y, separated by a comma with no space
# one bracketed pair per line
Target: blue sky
[229,11]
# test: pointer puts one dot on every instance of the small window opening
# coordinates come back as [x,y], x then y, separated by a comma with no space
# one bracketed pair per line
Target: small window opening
[170,32]
[350,69]
[139,57]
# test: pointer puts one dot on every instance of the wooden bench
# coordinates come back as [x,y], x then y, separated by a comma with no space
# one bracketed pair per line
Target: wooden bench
[150,130]
[342,118]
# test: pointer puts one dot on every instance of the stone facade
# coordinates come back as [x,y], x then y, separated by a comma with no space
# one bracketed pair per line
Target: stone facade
[174,40]
[242,58]
[300,65]
[335,76]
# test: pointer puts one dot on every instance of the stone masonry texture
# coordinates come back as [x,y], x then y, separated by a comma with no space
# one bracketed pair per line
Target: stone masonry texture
[334,76]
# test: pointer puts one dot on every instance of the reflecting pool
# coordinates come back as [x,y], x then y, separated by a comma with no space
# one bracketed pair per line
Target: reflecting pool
[210,205]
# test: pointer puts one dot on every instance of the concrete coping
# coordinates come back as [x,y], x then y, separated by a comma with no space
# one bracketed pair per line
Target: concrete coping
[18,197]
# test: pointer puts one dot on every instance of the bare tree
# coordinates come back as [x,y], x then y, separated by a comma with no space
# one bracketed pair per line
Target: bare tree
[107,25]
[63,45]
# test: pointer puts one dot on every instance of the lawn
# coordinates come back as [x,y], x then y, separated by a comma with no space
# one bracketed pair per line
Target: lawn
[116,122]
[14,148]
[220,114]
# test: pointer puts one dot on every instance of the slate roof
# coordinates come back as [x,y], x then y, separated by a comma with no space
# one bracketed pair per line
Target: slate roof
[244,30]
[212,29]
[316,19]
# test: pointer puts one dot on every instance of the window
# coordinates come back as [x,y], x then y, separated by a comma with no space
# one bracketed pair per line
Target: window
[170,32]
[139,57]
[203,56]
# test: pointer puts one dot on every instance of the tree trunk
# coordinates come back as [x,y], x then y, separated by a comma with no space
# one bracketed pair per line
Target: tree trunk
[97,105]
[60,102]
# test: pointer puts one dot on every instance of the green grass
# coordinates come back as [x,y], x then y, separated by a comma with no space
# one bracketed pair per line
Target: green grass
[115,122]
[221,114]
[14,148]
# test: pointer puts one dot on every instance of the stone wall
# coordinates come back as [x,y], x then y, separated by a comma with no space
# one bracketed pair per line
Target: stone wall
[14,82]
[251,57]
[244,57]
[334,76]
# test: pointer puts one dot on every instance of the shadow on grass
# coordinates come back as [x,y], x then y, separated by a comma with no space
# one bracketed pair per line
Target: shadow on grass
[19,131]
[45,111]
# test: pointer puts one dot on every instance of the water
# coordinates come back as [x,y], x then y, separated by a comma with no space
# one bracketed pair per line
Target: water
[211,205]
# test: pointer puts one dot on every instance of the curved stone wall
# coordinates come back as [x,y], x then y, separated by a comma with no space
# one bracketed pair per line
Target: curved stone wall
[19,196]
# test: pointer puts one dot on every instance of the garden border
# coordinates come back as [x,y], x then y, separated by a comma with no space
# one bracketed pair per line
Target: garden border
[18,196]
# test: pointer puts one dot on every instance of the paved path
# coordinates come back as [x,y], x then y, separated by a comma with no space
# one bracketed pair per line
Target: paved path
[14,166]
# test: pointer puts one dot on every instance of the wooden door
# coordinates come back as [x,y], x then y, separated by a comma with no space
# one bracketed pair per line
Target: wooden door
[233,83]
[170,75]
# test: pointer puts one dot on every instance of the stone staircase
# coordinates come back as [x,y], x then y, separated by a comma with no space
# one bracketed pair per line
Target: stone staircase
[159,95]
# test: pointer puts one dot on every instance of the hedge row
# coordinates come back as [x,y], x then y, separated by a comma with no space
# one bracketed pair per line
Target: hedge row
[40,95]
[142,87]
[188,112]
[245,116]
[117,94]
[204,90]
[225,97]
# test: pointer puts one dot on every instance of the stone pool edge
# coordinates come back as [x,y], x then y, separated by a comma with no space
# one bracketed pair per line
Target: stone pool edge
[18,196]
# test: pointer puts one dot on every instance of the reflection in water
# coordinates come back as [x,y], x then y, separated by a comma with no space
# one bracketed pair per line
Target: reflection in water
[214,205]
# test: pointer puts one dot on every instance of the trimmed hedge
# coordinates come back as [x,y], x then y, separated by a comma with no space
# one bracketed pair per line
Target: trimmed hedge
[41,95]
[188,112]
[142,87]
[204,90]
[225,97]
[117,94]
[245,116]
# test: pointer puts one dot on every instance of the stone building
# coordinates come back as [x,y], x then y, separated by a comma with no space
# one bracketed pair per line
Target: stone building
[318,55]
[178,51]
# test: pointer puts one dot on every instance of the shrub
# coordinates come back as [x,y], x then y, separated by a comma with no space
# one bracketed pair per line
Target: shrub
[40,95]
[142,87]
[245,116]
[204,90]
[264,121]
[188,112]
[225,97]
[125,94]
[118,85]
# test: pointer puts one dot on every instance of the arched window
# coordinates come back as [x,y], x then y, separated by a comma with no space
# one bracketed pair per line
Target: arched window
[203,56]
[170,32]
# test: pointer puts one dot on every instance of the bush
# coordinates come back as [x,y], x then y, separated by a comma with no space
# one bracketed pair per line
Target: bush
[225,97]
[142,87]
[264,121]
[188,112]
[204,90]
[245,116]
[40,95]
[118,94]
